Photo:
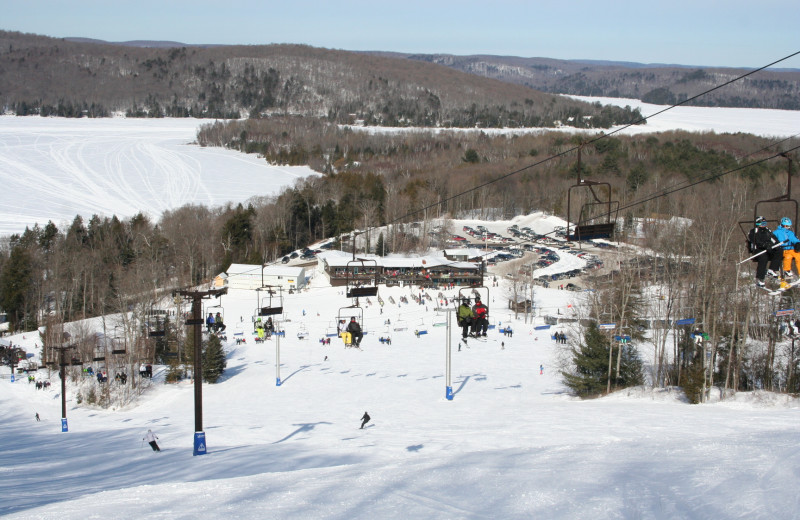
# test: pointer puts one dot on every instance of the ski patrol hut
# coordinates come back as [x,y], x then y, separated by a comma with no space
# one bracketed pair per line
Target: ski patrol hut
[253,276]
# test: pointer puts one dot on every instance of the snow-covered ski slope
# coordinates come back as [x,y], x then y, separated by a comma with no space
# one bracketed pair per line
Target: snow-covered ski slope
[511,444]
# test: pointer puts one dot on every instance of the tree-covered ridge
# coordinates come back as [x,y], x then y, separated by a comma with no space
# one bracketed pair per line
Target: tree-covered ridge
[232,82]
[658,84]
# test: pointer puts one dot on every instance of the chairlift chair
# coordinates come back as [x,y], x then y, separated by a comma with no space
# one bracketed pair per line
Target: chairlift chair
[345,314]
[272,304]
[775,208]
[360,282]
[302,333]
[155,323]
[118,342]
[440,319]
[99,353]
[400,325]
[589,227]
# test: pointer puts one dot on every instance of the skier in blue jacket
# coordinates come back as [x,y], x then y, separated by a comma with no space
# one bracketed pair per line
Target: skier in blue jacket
[791,245]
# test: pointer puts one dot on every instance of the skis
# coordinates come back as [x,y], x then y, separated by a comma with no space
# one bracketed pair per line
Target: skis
[775,292]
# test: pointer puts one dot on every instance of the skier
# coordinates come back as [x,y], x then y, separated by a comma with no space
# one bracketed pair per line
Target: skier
[762,241]
[209,322]
[791,246]
[218,325]
[355,331]
[364,419]
[465,317]
[150,437]
[37,417]
[481,321]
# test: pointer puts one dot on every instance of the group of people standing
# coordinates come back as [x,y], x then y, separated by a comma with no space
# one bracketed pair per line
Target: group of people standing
[474,321]
[773,250]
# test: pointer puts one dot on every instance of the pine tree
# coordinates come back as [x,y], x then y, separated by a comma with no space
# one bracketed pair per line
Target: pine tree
[590,359]
[16,286]
[379,246]
[214,361]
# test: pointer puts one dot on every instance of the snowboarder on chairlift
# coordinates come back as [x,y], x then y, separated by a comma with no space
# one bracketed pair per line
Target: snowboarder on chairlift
[762,241]
[150,437]
[209,322]
[791,246]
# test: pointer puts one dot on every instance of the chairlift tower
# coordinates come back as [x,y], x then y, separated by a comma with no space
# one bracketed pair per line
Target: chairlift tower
[196,298]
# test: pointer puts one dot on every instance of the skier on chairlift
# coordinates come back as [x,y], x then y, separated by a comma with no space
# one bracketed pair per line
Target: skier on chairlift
[761,241]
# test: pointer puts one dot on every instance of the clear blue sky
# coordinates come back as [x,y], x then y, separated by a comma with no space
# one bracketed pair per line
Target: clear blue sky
[738,33]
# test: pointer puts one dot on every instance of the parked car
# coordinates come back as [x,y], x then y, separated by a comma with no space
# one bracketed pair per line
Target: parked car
[285,260]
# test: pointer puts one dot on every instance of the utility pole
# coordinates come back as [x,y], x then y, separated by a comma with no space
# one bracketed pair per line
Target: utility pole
[197,297]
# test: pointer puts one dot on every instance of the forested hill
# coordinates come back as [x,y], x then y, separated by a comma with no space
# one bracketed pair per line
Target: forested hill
[48,76]
[659,84]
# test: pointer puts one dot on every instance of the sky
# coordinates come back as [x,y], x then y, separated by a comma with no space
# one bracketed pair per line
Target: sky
[731,33]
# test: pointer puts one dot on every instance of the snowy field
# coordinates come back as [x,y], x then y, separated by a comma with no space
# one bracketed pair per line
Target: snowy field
[757,121]
[56,168]
[511,444]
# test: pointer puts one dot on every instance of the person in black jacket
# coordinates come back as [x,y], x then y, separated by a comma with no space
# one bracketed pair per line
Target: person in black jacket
[763,242]
[355,332]
[364,419]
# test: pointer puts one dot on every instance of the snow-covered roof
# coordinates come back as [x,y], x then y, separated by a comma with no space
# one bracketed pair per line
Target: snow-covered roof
[283,270]
[470,252]
[394,261]
[270,270]
[239,269]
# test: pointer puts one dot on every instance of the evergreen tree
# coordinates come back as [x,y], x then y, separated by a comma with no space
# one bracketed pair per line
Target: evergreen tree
[16,286]
[590,359]
[379,246]
[214,361]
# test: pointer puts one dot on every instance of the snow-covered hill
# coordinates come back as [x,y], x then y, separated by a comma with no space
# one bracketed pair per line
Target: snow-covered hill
[511,444]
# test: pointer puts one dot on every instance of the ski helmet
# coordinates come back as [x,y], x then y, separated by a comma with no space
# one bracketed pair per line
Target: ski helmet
[761,221]
[786,222]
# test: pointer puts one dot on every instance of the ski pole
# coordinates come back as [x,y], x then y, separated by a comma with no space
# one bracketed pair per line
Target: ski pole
[762,252]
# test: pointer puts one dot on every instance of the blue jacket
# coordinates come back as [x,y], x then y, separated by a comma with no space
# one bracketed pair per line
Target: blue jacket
[786,235]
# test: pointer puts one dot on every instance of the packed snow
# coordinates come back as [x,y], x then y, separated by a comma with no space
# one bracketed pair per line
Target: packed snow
[118,166]
[511,444]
